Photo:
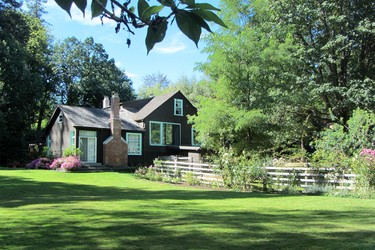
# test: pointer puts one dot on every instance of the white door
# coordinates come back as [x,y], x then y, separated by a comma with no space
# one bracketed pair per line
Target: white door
[87,146]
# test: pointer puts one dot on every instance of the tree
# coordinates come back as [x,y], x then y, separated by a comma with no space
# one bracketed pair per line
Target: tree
[156,79]
[23,45]
[337,51]
[36,8]
[250,67]
[190,18]
[85,74]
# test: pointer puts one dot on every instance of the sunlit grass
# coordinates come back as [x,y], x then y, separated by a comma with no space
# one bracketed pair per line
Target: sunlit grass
[51,210]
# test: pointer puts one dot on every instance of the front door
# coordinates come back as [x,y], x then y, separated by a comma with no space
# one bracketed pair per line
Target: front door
[87,146]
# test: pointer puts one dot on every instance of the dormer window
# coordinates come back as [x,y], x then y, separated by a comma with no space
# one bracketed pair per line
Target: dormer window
[178,107]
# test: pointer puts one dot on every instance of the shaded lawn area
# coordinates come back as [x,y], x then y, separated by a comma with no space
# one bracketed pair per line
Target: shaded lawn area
[42,209]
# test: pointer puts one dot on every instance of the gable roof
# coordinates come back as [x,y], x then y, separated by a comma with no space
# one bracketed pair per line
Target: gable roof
[97,118]
[143,108]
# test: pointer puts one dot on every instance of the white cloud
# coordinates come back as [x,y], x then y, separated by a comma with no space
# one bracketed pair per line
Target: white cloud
[171,47]
[131,75]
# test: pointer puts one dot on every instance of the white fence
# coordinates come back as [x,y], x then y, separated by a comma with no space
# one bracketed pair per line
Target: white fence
[277,176]
[181,166]
[305,177]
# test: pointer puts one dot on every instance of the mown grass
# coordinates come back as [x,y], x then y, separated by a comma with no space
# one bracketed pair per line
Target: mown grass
[52,210]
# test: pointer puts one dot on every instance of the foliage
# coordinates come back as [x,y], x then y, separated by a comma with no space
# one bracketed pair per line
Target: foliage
[56,164]
[348,140]
[86,74]
[190,19]
[336,52]
[244,172]
[40,163]
[72,151]
[364,167]
[23,52]
[69,163]
[191,179]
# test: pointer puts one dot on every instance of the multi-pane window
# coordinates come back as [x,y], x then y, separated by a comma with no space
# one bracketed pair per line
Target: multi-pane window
[134,141]
[163,133]
[73,138]
[87,145]
[178,107]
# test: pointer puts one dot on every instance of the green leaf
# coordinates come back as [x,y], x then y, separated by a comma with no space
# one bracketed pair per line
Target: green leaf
[132,9]
[96,9]
[151,11]
[155,34]
[81,4]
[209,16]
[142,6]
[189,25]
[169,3]
[188,2]
[204,6]
[65,5]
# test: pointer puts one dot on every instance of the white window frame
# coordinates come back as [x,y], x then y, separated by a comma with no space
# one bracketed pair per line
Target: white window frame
[139,140]
[162,143]
[90,137]
[178,105]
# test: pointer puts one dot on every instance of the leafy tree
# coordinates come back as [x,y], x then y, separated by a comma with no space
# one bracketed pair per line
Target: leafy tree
[190,18]
[36,8]
[22,50]
[85,74]
[251,68]
[156,79]
[337,51]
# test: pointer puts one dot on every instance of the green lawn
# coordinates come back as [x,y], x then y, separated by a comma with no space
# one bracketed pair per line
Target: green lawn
[51,210]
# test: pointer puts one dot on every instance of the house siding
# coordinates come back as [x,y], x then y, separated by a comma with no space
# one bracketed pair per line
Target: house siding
[165,114]
[60,135]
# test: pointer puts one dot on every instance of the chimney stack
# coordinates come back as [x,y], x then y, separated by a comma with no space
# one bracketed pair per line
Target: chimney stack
[115,116]
[115,148]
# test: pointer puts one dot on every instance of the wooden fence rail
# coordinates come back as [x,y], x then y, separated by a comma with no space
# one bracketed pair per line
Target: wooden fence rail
[278,176]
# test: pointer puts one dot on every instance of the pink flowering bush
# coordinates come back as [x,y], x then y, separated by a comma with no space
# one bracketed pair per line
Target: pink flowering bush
[364,167]
[71,163]
[66,163]
[57,163]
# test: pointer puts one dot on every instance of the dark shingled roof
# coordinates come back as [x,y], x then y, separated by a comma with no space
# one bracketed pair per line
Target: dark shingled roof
[97,118]
[142,108]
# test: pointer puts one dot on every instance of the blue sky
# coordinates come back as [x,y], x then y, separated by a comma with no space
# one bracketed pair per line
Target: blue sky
[176,56]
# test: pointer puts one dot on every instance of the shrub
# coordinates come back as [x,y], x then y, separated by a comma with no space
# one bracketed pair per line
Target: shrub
[71,163]
[364,167]
[243,172]
[72,151]
[57,163]
[191,179]
[40,163]
[66,163]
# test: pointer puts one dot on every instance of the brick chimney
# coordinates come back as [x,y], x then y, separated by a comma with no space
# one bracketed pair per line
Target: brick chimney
[115,149]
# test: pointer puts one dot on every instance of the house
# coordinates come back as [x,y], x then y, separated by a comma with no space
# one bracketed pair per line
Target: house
[125,134]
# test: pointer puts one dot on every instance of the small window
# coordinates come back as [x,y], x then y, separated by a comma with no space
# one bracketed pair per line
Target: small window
[134,141]
[49,141]
[73,138]
[178,107]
